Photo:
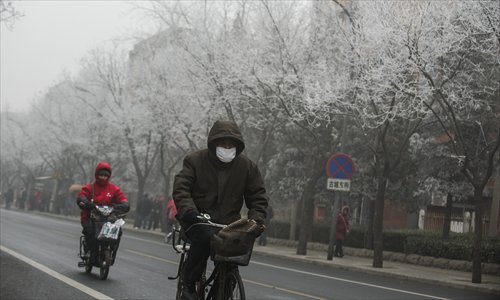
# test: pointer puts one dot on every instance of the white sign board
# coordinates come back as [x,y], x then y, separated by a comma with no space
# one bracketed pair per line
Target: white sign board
[337,184]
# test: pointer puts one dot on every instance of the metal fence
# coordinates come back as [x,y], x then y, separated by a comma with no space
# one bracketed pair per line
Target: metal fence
[460,223]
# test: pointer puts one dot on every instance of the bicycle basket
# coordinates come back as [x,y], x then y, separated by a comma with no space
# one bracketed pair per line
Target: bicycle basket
[240,260]
[109,233]
[234,243]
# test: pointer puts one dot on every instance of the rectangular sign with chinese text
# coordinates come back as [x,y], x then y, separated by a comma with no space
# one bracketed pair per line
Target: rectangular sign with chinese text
[337,184]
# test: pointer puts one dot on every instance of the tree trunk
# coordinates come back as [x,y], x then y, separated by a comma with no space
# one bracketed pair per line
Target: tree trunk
[293,220]
[140,192]
[478,235]
[378,223]
[166,179]
[306,216]
[369,232]
[447,216]
[306,219]
[166,184]
[333,224]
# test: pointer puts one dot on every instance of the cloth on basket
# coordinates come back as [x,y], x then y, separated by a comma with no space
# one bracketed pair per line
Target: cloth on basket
[235,239]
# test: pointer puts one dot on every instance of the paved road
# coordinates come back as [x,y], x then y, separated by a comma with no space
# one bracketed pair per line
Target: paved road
[31,242]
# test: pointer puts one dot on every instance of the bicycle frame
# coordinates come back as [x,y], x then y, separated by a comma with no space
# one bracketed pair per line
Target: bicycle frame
[223,279]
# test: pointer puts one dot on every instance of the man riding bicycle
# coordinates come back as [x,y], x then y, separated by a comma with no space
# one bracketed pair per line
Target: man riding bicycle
[216,181]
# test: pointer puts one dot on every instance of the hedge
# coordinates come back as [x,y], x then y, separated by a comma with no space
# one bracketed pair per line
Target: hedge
[411,241]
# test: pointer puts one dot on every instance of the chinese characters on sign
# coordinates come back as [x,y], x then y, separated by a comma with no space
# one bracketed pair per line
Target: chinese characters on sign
[338,184]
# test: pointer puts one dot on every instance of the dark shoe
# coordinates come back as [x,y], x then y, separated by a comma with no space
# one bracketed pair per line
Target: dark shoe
[188,292]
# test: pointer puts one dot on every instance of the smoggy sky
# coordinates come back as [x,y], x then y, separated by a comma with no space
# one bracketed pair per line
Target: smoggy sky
[51,38]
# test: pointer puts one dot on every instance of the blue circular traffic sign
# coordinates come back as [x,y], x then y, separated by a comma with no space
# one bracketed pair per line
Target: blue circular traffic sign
[340,166]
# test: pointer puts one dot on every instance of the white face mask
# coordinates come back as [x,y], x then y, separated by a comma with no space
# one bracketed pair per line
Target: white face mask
[225,155]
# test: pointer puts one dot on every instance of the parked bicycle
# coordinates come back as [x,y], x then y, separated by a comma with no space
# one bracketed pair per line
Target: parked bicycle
[225,281]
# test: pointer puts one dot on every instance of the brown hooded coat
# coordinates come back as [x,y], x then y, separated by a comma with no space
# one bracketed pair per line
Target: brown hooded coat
[207,185]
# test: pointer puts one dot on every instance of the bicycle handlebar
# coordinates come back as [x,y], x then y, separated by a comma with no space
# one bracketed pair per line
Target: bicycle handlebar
[204,221]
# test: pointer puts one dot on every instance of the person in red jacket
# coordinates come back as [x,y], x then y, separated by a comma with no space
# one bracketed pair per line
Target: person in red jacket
[170,212]
[100,192]
[341,230]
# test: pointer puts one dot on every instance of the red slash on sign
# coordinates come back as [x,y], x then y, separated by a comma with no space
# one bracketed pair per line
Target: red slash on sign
[340,166]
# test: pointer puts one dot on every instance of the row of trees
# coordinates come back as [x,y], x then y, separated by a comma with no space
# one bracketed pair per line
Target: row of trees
[410,89]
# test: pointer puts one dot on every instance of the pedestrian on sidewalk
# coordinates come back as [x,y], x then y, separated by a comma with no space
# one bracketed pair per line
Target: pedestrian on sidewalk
[143,211]
[23,199]
[155,214]
[9,197]
[341,230]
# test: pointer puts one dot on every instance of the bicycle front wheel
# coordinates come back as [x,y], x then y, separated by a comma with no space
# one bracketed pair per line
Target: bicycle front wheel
[233,286]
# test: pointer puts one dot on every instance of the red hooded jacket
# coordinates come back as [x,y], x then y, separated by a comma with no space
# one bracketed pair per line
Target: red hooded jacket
[342,224]
[105,193]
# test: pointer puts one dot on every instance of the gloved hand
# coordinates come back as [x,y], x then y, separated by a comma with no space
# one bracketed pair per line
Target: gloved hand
[92,205]
[84,203]
[258,229]
[191,217]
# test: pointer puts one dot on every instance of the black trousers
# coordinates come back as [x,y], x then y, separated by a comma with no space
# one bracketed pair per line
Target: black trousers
[199,251]
[88,232]
[338,249]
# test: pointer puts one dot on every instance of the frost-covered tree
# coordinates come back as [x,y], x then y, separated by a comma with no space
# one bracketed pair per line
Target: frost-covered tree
[159,80]
[378,94]
[415,59]
[20,162]
[292,58]
[456,50]
[103,90]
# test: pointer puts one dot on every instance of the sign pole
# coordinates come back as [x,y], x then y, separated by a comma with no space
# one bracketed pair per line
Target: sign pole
[340,170]
[333,227]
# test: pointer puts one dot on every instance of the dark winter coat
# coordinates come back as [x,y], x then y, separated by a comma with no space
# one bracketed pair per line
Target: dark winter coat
[207,185]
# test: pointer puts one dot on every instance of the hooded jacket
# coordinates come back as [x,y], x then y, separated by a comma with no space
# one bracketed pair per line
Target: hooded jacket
[207,185]
[104,192]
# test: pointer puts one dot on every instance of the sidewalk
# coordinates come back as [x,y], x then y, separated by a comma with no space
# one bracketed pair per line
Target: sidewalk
[452,278]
